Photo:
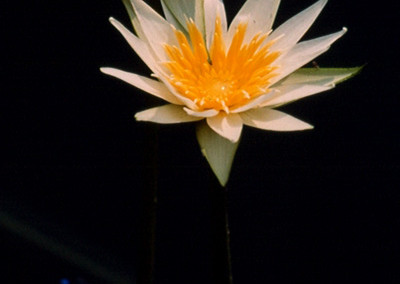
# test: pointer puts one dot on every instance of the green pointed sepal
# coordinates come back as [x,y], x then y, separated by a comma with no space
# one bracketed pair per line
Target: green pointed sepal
[326,75]
[218,151]
[178,12]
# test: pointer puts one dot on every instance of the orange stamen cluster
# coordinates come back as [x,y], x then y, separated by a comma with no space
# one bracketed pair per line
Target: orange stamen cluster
[221,78]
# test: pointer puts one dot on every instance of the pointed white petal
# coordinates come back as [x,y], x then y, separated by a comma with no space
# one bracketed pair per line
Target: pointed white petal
[204,113]
[293,29]
[139,46]
[153,87]
[227,125]
[165,115]
[142,49]
[186,101]
[254,103]
[218,151]
[304,52]
[134,19]
[212,8]
[289,93]
[259,14]
[156,29]
[315,75]
[270,119]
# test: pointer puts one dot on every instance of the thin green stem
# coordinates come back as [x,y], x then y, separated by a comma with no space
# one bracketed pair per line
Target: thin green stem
[221,252]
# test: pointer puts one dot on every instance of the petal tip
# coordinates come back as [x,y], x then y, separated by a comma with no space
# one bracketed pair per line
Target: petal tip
[137,117]
[106,70]
[306,126]
[234,140]
[142,116]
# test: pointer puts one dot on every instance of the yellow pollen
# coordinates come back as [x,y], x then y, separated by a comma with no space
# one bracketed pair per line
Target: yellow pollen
[220,78]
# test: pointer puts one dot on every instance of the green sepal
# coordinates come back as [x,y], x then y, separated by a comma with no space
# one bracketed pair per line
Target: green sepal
[315,75]
[182,10]
[218,151]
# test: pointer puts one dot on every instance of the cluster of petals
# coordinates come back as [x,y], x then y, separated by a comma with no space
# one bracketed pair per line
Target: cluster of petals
[202,67]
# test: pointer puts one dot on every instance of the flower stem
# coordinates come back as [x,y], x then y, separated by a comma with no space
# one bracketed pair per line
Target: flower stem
[221,252]
[146,249]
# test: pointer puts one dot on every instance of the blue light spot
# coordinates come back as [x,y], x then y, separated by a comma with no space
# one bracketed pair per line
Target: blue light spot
[64,281]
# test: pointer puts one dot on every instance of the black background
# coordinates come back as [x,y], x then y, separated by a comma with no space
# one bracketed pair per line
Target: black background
[318,206]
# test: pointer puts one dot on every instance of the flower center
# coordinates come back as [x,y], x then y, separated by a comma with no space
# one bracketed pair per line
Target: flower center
[220,78]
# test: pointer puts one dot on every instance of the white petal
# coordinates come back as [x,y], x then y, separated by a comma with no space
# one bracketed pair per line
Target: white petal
[142,49]
[226,125]
[254,103]
[218,151]
[139,46]
[156,29]
[288,93]
[186,101]
[259,14]
[166,114]
[134,19]
[153,87]
[293,29]
[204,113]
[270,119]
[212,8]
[304,52]
[316,75]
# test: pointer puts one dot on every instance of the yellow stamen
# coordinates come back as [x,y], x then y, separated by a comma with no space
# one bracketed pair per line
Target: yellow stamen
[220,78]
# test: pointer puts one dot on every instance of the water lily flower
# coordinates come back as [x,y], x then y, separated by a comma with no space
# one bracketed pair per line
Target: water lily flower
[225,75]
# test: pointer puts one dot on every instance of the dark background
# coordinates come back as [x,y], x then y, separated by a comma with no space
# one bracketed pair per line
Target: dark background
[319,206]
